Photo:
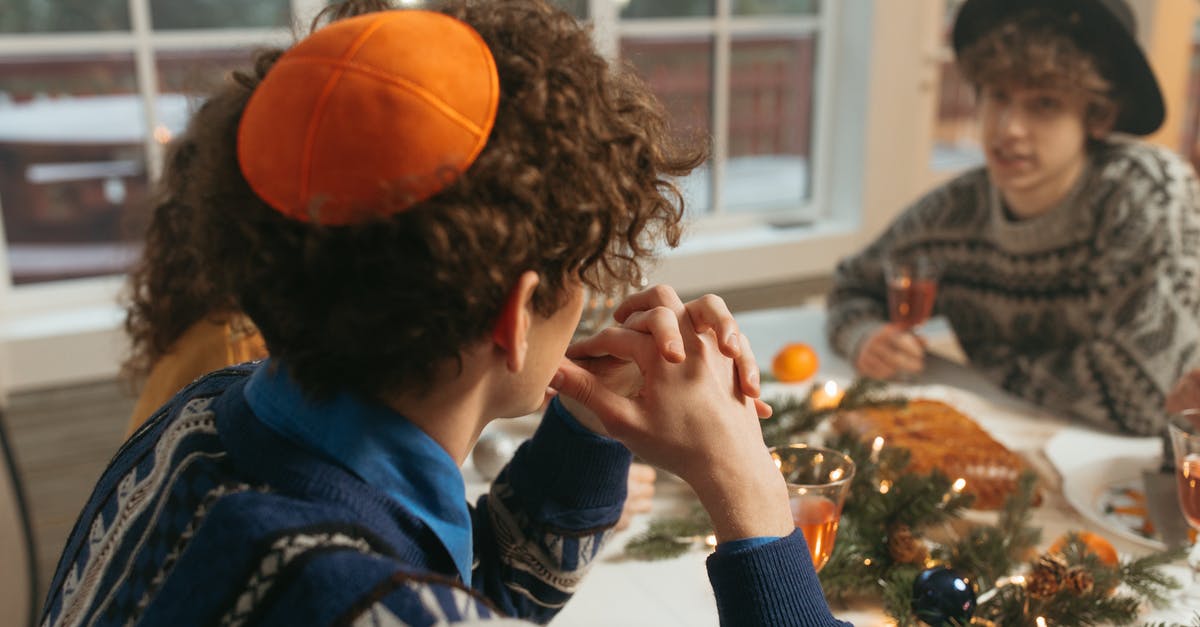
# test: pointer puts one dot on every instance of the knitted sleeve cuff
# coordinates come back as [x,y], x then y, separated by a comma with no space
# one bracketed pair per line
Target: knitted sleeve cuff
[769,584]
[568,476]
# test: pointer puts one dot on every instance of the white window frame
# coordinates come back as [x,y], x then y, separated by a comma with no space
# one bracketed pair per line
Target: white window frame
[69,331]
[722,27]
[871,158]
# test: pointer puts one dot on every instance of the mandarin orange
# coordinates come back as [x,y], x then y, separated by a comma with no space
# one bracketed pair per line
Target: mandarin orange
[795,362]
[1095,543]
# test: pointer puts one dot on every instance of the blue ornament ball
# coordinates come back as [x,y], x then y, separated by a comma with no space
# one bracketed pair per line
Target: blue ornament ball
[943,597]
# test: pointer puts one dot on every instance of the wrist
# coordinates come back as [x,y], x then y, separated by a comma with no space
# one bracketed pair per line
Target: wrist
[745,502]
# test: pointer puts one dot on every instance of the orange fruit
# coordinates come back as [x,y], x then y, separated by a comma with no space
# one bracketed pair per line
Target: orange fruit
[795,362]
[1095,544]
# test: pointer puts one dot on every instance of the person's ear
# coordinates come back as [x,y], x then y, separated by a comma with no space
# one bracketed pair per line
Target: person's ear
[511,331]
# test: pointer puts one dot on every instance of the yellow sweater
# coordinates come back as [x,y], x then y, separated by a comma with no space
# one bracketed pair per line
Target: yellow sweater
[208,345]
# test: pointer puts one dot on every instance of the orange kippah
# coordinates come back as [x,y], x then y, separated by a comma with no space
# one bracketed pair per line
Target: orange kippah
[367,112]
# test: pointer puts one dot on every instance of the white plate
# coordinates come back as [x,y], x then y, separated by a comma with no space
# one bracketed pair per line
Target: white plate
[1095,467]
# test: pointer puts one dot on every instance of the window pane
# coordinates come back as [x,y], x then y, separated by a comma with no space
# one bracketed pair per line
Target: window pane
[180,14]
[776,7]
[199,72]
[578,8]
[679,71]
[770,122]
[42,16]
[955,134]
[667,8]
[72,164]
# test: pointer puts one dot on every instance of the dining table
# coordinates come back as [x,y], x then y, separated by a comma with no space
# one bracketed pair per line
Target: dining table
[623,591]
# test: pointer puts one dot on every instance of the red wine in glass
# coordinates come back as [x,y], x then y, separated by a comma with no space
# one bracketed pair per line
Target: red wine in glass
[910,299]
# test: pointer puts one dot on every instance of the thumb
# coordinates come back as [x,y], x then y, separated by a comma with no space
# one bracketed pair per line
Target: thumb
[583,387]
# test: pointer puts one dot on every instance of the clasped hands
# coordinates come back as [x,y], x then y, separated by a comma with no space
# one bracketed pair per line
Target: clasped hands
[678,384]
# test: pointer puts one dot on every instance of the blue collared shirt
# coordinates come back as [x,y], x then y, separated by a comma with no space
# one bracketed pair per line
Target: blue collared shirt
[378,445]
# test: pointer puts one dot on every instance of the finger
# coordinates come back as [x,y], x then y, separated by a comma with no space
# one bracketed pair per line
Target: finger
[763,410]
[899,361]
[663,325]
[749,378]
[593,346]
[621,343]
[871,365]
[903,353]
[643,473]
[657,296]
[908,344]
[710,313]
[612,409]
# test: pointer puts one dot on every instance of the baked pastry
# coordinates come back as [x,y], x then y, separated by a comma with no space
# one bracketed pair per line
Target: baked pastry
[940,437]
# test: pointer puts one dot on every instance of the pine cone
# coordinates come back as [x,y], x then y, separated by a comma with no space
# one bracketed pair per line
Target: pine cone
[1052,564]
[1080,581]
[1042,585]
[906,548]
[1048,576]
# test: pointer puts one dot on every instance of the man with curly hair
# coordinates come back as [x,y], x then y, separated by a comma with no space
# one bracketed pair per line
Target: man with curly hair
[409,204]
[1070,264]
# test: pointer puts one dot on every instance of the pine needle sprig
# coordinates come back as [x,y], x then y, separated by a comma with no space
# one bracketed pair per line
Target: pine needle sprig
[896,591]
[670,537]
[1144,577]
[990,552]
[1104,603]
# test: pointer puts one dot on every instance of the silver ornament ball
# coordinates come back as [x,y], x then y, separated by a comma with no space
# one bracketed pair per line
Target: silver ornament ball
[492,452]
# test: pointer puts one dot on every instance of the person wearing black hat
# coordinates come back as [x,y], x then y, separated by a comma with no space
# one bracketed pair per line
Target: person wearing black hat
[1070,263]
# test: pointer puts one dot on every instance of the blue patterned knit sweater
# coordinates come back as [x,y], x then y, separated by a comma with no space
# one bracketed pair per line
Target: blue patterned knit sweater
[208,517]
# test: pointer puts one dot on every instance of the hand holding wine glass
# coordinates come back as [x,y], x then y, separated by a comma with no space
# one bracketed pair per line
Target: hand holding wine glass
[894,350]
[912,282]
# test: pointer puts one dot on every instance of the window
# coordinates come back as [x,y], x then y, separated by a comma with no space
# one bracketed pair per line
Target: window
[90,91]
[742,75]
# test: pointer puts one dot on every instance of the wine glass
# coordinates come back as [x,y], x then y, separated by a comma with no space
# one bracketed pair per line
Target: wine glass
[912,288]
[817,481]
[1185,444]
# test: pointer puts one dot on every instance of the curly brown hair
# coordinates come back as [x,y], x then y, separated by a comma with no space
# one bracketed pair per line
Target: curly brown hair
[168,289]
[1038,48]
[576,180]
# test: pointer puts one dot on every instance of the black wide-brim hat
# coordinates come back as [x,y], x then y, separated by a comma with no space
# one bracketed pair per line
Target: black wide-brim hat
[1104,28]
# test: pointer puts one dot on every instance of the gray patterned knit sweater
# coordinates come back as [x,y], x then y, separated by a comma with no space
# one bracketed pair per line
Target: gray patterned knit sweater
[1092,309]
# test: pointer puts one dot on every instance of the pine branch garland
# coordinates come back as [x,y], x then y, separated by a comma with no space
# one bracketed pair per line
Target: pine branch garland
[888,509]
[992,552]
